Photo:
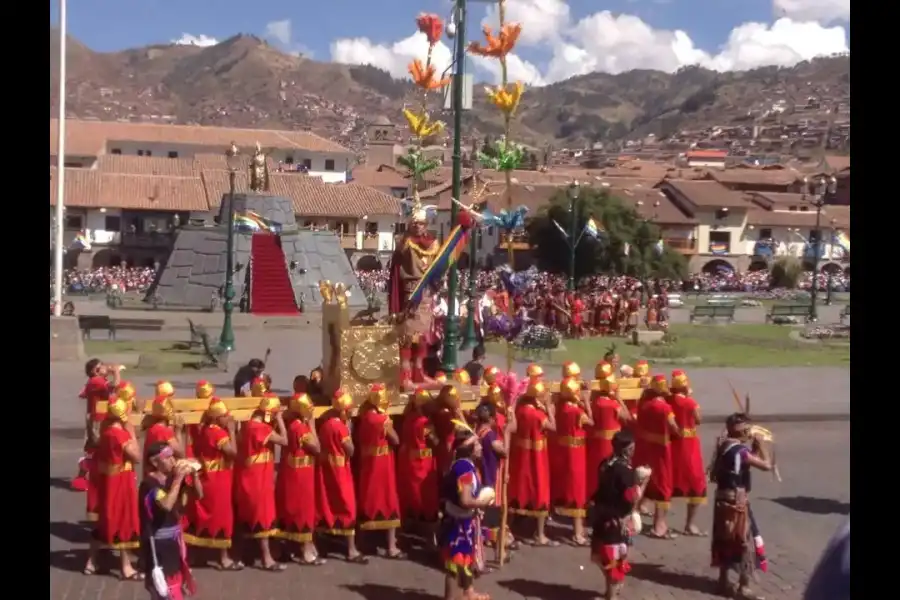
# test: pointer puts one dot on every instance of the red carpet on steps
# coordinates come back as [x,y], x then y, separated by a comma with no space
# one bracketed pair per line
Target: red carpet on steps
[270,284]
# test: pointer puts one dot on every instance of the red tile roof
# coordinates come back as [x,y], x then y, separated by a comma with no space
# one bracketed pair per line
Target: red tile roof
[705,194]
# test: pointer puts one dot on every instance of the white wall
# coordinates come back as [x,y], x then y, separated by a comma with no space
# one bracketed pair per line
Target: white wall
[707,163]
[733,224]
[788,243]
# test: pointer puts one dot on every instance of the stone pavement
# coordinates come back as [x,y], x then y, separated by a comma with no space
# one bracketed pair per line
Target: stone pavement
[797,518]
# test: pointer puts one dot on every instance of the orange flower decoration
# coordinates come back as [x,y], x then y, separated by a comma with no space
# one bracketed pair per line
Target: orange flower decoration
[424,76]
[499,46]
[432,26]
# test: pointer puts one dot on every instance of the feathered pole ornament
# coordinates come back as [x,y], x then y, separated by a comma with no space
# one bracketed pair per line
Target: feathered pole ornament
[506,158]
[764,433]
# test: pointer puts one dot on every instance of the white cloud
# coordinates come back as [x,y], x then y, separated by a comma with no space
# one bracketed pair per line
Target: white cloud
[188,39]
[614,43]
[823,11]
[280,31]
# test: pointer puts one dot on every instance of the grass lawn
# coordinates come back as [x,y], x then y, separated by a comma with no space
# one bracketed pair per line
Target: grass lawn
[158,357]
[836,298]
[736,345]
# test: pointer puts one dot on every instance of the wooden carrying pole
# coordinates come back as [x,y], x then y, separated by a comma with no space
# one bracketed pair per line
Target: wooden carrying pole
[504,474]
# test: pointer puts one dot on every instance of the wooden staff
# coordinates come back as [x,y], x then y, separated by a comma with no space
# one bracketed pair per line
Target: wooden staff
[504,475]
[745,408]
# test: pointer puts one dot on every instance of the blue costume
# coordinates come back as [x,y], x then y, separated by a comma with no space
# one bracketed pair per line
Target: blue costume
[458,530]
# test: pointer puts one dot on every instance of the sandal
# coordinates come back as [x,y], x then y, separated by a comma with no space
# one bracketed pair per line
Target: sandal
[232,566]
[135,576]
[315,562]
[548,543]
[398,555]
[91,570]
[580,542]
[698,533]
[359,559]
[744,593]
[276,567]
[668,535]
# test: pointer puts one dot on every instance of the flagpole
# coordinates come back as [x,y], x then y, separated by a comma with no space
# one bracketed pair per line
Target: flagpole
[60,167]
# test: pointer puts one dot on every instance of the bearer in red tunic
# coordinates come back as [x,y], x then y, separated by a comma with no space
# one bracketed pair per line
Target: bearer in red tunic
[448,418]
[689,472]
[160,427]
[608,415]
[211,518]
[295,498]
[417,478]
[379,506]
[255,478]
[203,391]
[568,459]
[495,398]
[655,427]
[529,466]
[101,383]
[336,495]
[118,524]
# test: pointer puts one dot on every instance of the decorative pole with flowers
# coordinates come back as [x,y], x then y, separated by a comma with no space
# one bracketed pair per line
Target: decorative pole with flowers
[507,157]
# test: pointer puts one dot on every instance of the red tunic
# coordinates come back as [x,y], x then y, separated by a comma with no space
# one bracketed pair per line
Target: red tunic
[688,471]
[211,519]
[654,449]
[500,427]
[255,482]
[445,430]
[336,506]
[379,505]
[193,433]
[417,478]
[577,310]
[529,467]
[599,437]
[118,524]
[95,390]
[295,499]
[568,461]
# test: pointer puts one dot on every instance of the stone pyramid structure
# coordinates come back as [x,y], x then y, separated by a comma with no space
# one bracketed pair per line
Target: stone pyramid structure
[195,270]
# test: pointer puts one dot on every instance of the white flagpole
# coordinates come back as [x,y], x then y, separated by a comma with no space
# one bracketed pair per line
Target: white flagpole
[60,167]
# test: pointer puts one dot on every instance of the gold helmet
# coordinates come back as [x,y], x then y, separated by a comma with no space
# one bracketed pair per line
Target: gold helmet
[658,384]
[258,387]
[269,406]
[163,408]
[534,371]
[570,369]
[204,390]
[125,391]
[536,389]
[448,397]
[495,397]
[378,397]
[164,388]
[217,408]
[490,375]
[119,409]
[641,368]
[569,388]
[462,376]
[421,397]
[341,401]
[302,405]
[440,377]
[680,380]
[603,370]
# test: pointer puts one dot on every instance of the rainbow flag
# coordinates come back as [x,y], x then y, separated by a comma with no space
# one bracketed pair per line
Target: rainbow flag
[81,242]
[842,239]
[251,222]
[593,228]
[446,257]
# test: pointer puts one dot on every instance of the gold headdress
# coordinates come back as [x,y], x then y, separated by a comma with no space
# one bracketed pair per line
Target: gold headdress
[163,408]
[119,409]
[679,380]
[258,387]
[204,390]
[341,401]
[462,376]
[603,370]
[164,388]
[569,389]
[268,406]
[378,397]
[571,369]
[536,390]
[302,405]
[421,397]
[495,396]
[217,408]
[490,375]
[534,371]
[641,368]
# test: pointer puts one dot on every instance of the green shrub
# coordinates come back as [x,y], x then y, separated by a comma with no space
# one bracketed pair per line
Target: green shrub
[786,272]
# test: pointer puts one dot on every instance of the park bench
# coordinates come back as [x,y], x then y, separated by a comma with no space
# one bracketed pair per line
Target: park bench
[787,310]
[720,300]
[213,355]
[845,314]
[713,311]
[117,325]
[88,323]
[197,333]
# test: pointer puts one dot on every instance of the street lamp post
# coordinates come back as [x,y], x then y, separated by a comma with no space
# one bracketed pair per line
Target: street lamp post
[573,191]
[816,191]
[830,282]
[469,337]
[646,220]
[226,339]
[451,321]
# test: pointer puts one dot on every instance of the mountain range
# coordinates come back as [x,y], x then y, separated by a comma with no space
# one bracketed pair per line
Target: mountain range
[245,82]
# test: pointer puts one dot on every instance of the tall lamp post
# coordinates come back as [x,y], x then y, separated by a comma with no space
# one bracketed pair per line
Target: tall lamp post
[646,220]
[451,321]
[830,280]
[574,191]
[226,339]
[469,337]
[817,191]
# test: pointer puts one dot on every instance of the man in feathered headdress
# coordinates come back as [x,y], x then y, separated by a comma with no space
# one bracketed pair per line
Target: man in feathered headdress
[412,257]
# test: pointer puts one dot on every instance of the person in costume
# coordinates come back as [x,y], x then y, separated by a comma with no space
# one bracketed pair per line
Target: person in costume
[411,259]
[336,493]
[736,541]
[529,466]
[534,372]
[461,499]
[118,522]
[204,390]
[608,417]
[379,504]
[618,494]
[210,519]
[688,470]
[254,491]
[102,382]
[161,502]
[447,420]
[656,427]
[475,367]
[493,453]
[163,426]
[568,460]
[491,374]
[295,500]
[417,476]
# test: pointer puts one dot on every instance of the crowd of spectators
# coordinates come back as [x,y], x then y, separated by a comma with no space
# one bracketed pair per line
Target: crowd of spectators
[105,279]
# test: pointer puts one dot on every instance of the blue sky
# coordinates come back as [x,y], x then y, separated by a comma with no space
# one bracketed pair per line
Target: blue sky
[108,25]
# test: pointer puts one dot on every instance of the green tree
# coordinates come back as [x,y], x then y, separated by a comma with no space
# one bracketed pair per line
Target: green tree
[623,227]
[786,272]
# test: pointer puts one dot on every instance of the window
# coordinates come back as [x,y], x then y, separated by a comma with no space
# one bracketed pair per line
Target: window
[719,242]
[307,163]
[765,233]
[813,236]
[74,222]
[329,164]
[116,151]
[172,154]
[307,224]
[371,229]
[804,208]
[342,227]
[289,160]
[148,153]
[112,223]
[399,228]
[140,152]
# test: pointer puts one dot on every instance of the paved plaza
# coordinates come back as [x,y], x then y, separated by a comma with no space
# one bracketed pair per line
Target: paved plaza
[797,518]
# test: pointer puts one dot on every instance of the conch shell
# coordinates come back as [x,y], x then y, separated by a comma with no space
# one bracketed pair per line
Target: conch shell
[193,465]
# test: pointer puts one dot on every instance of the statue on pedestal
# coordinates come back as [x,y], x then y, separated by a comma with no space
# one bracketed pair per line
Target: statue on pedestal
[259,171]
